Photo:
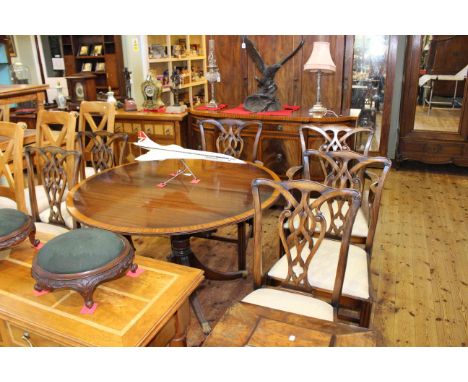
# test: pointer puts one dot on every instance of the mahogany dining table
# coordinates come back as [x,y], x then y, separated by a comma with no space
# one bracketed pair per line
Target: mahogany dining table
[129,200]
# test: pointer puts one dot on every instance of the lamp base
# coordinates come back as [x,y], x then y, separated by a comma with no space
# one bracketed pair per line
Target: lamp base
[318,110]
[212,104]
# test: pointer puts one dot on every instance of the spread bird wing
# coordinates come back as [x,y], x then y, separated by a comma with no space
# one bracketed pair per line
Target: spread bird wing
[163,152]
[253,52]
[288,57]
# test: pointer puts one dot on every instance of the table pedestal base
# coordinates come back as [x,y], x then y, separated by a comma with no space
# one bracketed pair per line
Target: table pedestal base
[182,254]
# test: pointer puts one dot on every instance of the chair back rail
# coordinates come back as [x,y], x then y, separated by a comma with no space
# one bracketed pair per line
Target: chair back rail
[12,156]
[229,139]
[108,149]
[56,178]
[47,136]
[347,169]
[303,236]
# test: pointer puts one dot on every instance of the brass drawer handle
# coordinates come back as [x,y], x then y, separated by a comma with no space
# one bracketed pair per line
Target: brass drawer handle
[27,338]
[279,158]
[279,128]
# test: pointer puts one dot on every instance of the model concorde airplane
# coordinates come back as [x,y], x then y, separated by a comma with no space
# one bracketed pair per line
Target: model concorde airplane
[163,152]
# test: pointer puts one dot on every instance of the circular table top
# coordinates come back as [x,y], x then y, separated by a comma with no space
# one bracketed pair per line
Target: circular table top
[126,199]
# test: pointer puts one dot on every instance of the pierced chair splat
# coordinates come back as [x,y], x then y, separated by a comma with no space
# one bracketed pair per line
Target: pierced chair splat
[107,150]
[57,180]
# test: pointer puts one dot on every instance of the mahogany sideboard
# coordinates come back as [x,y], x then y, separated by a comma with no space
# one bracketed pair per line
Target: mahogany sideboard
[149,310]
[279,146]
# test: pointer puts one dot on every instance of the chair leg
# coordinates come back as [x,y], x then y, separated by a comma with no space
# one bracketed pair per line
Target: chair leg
[364,316]
[241,246]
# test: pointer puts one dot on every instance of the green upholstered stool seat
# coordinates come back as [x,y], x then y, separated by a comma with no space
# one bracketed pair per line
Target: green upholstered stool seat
[11,220]
[79,251]
[15,227]
[81,260]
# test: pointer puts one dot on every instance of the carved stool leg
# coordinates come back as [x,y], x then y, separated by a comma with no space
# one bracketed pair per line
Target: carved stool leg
[181,254]
[87,295]
[32,238]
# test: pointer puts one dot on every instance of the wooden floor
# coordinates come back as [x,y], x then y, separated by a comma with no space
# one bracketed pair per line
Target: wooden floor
[438,119]
[419,268]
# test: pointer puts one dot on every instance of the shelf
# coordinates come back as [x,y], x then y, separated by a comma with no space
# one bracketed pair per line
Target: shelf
[156,60]
[90,57]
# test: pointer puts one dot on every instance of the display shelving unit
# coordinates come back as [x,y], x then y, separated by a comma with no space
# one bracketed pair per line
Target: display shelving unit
[166,53]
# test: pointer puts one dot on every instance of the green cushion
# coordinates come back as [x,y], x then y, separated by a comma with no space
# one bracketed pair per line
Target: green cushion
[79,250]
[11,220]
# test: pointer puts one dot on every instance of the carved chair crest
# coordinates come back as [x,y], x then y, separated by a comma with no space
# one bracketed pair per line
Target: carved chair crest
[104,149]
[229,140]
[56,178]
[307,228]
[13,155]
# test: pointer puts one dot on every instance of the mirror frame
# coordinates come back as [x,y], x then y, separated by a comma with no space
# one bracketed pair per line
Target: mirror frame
[436,147]
[389,83]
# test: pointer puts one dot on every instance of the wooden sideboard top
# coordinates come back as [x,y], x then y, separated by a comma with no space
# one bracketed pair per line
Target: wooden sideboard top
[299,116]
[148,115]
[130,310]
[17,90]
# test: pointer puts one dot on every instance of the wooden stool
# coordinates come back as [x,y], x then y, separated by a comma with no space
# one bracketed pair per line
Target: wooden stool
[15,227]
[81,260]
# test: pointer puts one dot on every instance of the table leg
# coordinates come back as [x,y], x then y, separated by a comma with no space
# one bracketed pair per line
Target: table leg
[181,254]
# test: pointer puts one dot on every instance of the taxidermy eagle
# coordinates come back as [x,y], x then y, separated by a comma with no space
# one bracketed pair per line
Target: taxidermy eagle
[265,98]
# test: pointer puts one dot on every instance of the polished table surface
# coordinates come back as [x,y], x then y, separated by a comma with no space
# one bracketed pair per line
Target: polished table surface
[246,324]
[127,199]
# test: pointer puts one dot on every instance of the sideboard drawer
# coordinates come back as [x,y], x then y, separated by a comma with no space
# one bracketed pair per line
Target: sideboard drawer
[24,337]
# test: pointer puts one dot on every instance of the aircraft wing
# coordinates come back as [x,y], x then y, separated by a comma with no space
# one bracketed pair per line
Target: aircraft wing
[163,152]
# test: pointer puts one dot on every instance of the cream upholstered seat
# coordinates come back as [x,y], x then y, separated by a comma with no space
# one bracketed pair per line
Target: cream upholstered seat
[89,171]
[44,215]
[7,202]
[290,302]
[300,277]
[50,229]
[322,268]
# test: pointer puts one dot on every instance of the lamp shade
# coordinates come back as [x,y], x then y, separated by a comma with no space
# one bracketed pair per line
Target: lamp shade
[320,59]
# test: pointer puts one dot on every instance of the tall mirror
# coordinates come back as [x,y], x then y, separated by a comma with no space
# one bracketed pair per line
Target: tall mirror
[441,83]
[370,89]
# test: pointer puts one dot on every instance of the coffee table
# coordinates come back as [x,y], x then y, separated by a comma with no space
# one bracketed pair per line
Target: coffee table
[128,200]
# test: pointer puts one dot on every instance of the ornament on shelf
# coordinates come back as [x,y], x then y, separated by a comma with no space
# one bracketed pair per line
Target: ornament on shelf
[60,99]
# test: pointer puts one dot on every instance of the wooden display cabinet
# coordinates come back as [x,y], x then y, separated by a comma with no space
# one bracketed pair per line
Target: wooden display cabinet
[110,54]
[166,53]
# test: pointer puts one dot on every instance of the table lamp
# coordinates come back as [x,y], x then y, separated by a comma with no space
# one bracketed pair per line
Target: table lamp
[320,61]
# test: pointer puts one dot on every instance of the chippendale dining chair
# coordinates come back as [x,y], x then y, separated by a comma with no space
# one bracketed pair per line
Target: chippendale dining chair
[57,178]
[310,261]
[228,140]
[11,167]
[347,169]
[107,150]
[53,128]
[94,116]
